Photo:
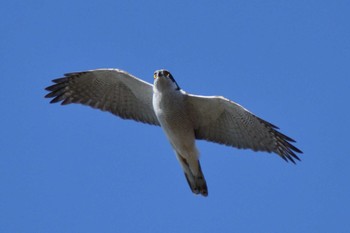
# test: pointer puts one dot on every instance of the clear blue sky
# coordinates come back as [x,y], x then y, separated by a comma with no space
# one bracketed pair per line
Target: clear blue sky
[75,169]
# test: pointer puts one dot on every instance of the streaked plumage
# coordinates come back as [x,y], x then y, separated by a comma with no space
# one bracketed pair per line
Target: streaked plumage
[184,117]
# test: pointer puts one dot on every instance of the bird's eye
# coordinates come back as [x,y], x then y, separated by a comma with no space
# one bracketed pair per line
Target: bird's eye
[166,73]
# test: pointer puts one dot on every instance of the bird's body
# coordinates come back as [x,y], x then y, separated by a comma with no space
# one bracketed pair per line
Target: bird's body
[183,117]
[178,127]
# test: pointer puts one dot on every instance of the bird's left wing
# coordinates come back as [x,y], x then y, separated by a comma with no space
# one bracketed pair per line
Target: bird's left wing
[111,90]
[220,120]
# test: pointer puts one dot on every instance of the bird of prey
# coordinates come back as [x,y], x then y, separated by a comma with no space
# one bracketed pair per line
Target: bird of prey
[183,117]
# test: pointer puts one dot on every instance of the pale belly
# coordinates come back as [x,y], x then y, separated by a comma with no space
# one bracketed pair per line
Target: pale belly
[176,124]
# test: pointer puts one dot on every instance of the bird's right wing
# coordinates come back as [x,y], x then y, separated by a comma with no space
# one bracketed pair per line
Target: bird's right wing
[111,90]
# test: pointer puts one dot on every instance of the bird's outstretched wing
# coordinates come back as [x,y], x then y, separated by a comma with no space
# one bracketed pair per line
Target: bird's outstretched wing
[220,120]
[111,90]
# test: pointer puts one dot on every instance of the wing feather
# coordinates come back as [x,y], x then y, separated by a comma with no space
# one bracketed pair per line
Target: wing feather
[220,120]
[111,90]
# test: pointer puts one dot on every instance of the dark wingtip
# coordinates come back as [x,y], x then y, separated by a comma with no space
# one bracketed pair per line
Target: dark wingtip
[288,158]
[285,149]
[292,160]
[56,100]
[48,95]
[288,154]
[56,91]
[297,150]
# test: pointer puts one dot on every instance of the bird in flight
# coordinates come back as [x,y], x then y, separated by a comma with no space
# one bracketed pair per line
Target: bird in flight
[183,117]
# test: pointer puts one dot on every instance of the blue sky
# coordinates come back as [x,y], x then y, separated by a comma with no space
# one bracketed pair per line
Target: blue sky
[75,169]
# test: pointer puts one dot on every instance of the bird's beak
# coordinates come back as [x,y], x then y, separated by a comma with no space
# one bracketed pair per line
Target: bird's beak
[155,76]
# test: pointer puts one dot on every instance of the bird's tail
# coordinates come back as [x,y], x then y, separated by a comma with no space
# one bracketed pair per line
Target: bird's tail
[196,181]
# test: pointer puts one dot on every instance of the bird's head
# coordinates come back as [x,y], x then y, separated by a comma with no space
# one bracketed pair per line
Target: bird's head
[163,80]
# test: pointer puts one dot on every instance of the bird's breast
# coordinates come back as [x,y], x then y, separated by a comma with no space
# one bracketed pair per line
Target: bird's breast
[171,111]
[173,117]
